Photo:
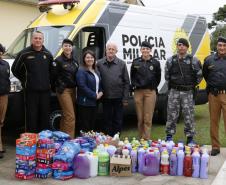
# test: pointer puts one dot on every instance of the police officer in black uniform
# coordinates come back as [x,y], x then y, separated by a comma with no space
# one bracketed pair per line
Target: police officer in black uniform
[32,68]
[4,90]
[145,78]
[64,70]
[214,72]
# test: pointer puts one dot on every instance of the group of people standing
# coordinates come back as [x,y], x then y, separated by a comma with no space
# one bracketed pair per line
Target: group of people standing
[87,82]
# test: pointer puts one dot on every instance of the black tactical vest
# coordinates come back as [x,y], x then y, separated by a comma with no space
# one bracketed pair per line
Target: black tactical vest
[181,73]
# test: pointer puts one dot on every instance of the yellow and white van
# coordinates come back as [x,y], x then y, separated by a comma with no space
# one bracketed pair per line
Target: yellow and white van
[91,23]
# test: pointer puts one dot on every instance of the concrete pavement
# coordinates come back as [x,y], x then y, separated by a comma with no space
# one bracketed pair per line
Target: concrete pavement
[7,170]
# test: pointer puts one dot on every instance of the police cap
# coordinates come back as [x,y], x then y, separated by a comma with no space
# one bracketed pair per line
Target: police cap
[183,41]
[67,41]
[221,39]
[146,44]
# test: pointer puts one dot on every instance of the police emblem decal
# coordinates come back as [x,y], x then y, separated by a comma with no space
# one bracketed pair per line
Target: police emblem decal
[44,56]
[151,68]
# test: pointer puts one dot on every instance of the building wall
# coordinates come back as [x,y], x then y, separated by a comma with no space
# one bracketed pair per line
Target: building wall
[14,18]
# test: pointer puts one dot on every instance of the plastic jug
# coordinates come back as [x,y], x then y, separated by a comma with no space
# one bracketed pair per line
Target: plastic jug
[151,164]
[180,162]
[111,150]
[141,153]
[196,163]
[204,165]
[164,167]
[157,154]
[188,163]
[82,166]
[173,163]
[93,161]
[134,160]
[103,163]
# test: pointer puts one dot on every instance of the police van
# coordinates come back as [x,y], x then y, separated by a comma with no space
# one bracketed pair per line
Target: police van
[92,23]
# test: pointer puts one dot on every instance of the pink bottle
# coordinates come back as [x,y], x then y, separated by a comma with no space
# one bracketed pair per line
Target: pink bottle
[151,164]
[82,166]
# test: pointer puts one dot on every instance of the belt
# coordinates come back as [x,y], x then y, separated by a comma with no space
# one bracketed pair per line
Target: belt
[221,92]
[181,88]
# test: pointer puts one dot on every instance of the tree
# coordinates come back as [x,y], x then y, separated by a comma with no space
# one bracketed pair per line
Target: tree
[219,23]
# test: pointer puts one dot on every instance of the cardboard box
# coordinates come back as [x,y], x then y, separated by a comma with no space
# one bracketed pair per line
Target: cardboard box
[120,166]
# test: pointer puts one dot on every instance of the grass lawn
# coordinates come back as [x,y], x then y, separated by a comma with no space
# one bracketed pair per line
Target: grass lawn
[202,129]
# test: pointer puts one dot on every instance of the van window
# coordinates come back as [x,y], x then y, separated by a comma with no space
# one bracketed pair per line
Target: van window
[90,38]
[53,37]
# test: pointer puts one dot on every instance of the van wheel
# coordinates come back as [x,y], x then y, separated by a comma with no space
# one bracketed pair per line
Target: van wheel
[54,120]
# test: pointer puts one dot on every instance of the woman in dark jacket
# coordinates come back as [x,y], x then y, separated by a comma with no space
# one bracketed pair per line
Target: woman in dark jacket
[88,92]
[63,75]
[4,90]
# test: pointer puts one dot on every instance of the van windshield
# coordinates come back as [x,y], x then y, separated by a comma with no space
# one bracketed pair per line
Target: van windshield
[53,37]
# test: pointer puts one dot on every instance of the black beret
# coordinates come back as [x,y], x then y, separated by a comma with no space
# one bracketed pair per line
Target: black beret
[183,41]
[146,44]
[221,39]
[2,48]
[67,41]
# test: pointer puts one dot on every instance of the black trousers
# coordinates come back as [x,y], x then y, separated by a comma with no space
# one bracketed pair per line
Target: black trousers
[86,117]
[37,110]
[113,115]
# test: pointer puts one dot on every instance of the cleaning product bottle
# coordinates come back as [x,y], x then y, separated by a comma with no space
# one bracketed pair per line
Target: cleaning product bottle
[82,166]
[204,164]
[150,164]
[173,163]
[134,159]
[93,160]
[196,163]
[164,167]
[157,154]
[111,150]
[188,163]
[103,163]
[180,145]
[180,162]
[141,153]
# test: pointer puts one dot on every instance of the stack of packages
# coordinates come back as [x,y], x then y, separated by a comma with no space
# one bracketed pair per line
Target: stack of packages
[63,160]
[59,139]
[45,153]
[26,156]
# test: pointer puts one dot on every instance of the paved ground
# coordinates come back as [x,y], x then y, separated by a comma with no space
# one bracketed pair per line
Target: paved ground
[7,167]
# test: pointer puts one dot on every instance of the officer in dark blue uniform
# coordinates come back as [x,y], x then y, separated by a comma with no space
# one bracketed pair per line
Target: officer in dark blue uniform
[32,68]
[4,90]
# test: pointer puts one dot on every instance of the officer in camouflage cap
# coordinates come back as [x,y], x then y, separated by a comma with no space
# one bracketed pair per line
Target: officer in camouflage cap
[183,72]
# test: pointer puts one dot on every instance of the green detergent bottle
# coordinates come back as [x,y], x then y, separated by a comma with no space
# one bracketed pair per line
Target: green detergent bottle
[103,163]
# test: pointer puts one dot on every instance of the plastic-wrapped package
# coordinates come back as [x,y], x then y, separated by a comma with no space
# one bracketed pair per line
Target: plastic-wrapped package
[45,134]
[63,175]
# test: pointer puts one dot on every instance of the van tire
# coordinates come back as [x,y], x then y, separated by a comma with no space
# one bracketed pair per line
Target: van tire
[54,119]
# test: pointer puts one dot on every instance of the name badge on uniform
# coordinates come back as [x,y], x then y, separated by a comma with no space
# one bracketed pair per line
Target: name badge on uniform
[44,56]
[151,68]
[31,57]
[65,65]
[136,67]
[211,67]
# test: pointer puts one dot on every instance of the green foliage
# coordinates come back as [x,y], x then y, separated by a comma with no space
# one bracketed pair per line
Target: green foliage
[218,17]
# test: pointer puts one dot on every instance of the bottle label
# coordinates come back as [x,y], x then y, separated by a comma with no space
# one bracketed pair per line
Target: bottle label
[103,168]
[164,169]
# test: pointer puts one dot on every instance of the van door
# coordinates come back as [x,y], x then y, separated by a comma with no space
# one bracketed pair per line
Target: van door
[90,38]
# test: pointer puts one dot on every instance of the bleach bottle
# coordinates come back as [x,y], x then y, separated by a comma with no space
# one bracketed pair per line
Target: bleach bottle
[151,164]
[180,162]
[141,153]
[204,165]
[173,163]
[103,163]
[188,163]
[93,160]
[164,167]
[82,166]
[134,160]
[196,163]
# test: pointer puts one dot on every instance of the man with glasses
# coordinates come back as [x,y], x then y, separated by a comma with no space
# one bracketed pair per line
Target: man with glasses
[145,78]
[214,72]
[182,72]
